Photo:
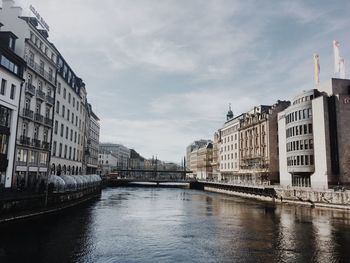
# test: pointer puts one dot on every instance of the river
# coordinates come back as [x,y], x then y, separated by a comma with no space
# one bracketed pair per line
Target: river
[138,224]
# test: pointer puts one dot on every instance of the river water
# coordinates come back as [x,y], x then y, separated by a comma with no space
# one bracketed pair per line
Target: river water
[179,225]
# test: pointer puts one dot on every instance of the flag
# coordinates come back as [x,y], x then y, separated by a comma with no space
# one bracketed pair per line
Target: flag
[336,46]
[317,68]
[342,68]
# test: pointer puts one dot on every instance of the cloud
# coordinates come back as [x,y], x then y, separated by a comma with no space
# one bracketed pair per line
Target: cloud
[160,74]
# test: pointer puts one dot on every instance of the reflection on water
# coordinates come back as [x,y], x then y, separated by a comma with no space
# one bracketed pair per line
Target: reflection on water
[179,225]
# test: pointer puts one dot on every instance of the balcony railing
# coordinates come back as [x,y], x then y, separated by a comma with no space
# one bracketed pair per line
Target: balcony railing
[48,121]
[39,69]
[30,89]
[40,94]
[36,143]
[38,117]
[50,99]
[46,146]
[27,113]
[24,140]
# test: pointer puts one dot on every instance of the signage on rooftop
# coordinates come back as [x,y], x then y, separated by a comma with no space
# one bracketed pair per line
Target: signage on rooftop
[39,17]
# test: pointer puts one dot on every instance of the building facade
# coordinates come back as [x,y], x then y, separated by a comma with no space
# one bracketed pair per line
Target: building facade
[120,151]
[229,148]
[93,141]
[259,161]
[69,123]
[37,98]
[11,81]
[201,159]
[314,134]
[107,161]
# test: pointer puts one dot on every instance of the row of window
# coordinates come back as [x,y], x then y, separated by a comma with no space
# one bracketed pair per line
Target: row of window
[40,85]
[300,145]
[227,139]
[299,115]
[3,89]
[71,99]
[227,156]
[32,157]
[35,132]
[38,107]
[302,99]
[227,148]
[42,47]
[300,160]
[224,166]
[70,116]
[76,135]
[299,130]
[66,152]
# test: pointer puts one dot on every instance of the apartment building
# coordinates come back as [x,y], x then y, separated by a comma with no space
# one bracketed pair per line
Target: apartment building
[11,81]
[69,122]
[37,98]
[258,137]
[93,141]
[229,148]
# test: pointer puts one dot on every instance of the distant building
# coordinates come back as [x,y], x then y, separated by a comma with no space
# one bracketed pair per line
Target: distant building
[11,81]
[93,141]
[191,147]
[201,159]
[107,162]
[120,151]
[314,137]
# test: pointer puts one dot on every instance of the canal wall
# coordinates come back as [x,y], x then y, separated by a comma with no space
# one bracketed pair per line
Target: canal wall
[27,206]
[297,196]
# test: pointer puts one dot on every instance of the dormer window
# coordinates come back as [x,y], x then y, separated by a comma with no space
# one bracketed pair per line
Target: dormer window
[12,43]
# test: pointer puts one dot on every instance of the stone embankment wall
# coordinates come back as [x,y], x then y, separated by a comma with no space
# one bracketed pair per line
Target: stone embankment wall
[300,196]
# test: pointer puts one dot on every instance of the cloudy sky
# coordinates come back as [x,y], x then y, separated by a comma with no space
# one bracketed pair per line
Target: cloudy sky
[161,74]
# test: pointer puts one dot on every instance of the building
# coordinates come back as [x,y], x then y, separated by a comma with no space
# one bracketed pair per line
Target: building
[93,141]
[314,137]
[119,150]
[191,147]
[107,161]
[216,157]
[201,159]
[259,161]
[11,81]
[229,148]
[37,98]
[69,122]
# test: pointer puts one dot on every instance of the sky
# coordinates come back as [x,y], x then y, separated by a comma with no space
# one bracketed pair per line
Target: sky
[161,74]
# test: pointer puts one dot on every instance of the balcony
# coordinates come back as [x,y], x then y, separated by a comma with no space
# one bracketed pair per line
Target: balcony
[24,140]
[36,143]
[40,70]
[27,113]
[30,89]
[46,146]
[40,95]
[50,100]
[38,118]
[48,122]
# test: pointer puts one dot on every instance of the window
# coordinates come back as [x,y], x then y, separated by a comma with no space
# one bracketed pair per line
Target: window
[68,114]
[73,102]
[56,127]
[38,108]
[62,130]
[69,97]
[13,92]
[64,93]
[58,87]
[60,150]
[46,135]
[58,107]
[310,128]
[63,110]
[65,151]
[36,132]
[3,87]
[67,132]
[71,135]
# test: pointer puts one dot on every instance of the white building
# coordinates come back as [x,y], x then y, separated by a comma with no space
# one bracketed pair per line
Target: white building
[314,137]
[11,81]
[69,122]
[93,141]
[37,98]
[106,162]
[229,148]
[120,151]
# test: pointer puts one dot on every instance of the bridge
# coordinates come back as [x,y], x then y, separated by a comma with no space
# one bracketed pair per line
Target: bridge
[121,177]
